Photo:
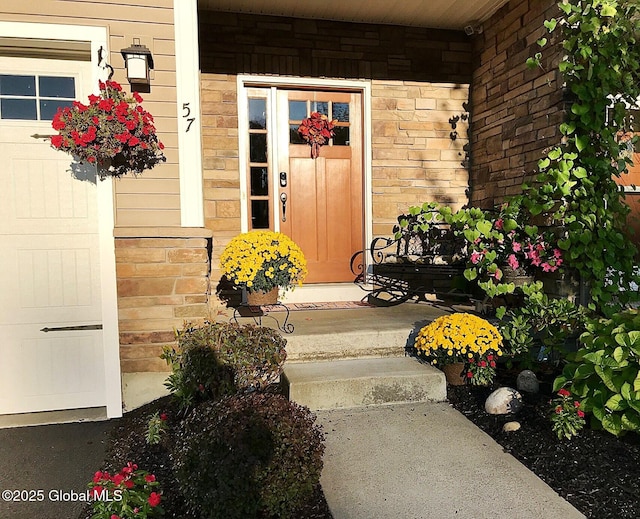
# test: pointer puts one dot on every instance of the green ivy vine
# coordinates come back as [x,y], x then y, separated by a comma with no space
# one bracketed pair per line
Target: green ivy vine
[600,66]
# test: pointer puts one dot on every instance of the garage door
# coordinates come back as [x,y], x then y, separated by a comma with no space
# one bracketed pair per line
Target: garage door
[51,350]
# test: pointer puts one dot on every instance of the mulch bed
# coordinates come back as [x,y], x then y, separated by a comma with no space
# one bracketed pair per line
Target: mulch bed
[128,443]
[596,472]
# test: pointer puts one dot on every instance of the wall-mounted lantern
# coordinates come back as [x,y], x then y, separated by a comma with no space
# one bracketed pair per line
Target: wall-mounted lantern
[139,61]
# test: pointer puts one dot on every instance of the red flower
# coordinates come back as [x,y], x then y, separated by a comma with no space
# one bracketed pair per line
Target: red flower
[576,404]
[93,99]
[163,417]
[133,141]
[114,516]
[558,409]
[106,105]
[57,123]
[114,85]
[80,106]
[137,97]
[122,137]
[492,364]
[154,499]
[483,364]
[117,479]
[563,392]
[97,477]
[96,491]
[580,413]
[149,478]
[129,484]
[469,374]
[57,141]
[160,145]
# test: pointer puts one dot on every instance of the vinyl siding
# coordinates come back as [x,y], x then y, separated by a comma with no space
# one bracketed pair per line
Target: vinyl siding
[152,199]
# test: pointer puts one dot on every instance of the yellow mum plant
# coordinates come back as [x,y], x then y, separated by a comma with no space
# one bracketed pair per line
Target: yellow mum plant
[263,260]
[462,337]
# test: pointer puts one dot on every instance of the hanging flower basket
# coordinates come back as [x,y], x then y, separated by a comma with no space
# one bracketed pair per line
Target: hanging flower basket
[316,130]
[113,131]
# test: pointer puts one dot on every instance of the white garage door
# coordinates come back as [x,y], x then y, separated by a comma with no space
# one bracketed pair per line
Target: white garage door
[49,250]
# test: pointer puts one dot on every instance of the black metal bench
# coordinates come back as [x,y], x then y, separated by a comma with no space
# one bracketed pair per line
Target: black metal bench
[423,257]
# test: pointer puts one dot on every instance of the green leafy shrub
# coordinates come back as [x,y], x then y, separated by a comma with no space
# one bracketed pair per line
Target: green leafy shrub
[540,320]
[218,359]
[249,454]
[605,373]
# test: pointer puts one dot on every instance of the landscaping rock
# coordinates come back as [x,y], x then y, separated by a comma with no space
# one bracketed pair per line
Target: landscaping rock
[504,400]
[528,382]
[511,426]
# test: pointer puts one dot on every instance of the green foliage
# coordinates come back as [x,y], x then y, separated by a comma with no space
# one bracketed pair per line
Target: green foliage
[601,71]
[605,372]
[418,221]
[490,239]
[249,455]
[543,320]
[156,428]
[218,359]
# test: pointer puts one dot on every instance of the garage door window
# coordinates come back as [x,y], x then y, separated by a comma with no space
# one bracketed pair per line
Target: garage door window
[34,98]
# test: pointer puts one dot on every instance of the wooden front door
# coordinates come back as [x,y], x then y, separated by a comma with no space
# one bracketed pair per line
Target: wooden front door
[320,200]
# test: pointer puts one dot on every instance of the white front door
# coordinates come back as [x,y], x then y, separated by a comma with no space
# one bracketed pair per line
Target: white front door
[50,288]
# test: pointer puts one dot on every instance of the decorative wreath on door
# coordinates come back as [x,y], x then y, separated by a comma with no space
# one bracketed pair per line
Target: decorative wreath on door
[316,130]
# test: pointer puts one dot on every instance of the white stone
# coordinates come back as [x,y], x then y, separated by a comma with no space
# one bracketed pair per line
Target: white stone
[511,426]
[528,382]
[504,400]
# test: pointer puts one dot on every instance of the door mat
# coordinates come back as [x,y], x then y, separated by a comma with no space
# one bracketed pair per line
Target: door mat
[334,305]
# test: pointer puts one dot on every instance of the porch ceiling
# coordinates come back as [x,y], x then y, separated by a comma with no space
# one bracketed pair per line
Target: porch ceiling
[444,14]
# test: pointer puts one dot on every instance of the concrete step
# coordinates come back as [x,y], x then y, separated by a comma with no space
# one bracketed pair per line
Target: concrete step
[356,333]
[362,382]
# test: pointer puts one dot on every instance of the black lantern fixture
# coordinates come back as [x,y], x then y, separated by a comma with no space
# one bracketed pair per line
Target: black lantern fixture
[139,62]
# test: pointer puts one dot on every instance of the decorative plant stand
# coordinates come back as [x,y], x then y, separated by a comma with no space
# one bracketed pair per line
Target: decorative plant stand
[258,312]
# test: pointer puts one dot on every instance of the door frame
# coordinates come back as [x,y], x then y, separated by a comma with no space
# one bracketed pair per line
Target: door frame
[97,38]
[362,87]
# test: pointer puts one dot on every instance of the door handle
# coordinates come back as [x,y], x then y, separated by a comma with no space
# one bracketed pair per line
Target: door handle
[73,328]
[283,199]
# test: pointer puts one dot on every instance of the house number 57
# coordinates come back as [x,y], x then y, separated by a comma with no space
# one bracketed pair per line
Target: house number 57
[187,113]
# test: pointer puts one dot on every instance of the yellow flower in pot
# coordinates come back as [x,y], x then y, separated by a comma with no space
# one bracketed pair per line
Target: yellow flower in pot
[463,345]
[263,261]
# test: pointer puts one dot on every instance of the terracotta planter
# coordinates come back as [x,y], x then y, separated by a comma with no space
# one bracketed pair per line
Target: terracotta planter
[455,373]
[260,298]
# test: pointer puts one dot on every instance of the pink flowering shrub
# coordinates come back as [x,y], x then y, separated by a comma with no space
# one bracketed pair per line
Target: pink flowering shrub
[502,240]
[112,131]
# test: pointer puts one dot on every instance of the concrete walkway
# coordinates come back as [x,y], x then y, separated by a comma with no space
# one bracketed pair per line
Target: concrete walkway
[426,461]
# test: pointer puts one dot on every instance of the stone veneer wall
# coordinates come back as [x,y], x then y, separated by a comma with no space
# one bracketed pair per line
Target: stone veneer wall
[414,158]
[163,281]
[515,110]
[419,79]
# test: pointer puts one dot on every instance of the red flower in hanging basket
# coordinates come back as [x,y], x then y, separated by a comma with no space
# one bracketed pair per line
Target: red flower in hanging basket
[316,130]
[113,130]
